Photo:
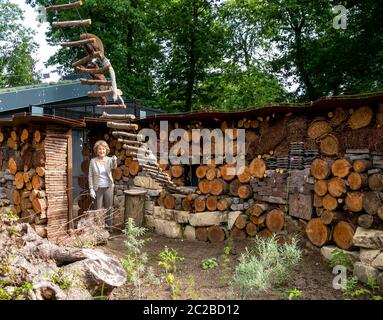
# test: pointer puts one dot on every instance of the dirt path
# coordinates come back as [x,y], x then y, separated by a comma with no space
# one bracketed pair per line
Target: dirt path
[312,276]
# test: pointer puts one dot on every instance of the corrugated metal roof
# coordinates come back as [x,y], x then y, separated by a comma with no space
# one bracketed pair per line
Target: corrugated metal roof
[322,104]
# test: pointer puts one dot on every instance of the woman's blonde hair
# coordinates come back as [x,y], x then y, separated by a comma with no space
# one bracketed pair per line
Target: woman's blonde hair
[101,143]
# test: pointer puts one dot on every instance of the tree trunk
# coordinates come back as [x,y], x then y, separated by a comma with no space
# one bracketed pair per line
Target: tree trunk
[343,234]
[317,232]
[341,168]
[275,220]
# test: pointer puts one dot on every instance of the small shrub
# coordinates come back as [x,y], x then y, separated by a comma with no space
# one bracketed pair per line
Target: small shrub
[59,279]
[209,263]
[225,278]
[339,257]
[266,265]
[294,293]
[170,259]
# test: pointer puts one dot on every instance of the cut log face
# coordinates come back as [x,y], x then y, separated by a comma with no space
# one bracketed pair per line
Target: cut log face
[354,201]
[225,172]
[204,186]
[245,191]
[317,232]
[343,234]
[320,169]
[361,165]
[199,204]
[340,115]
[169,202]
[372,201]
[251,229]
[336,187]
[186,204]
[365,221]
[329,145]
[238,234]
[320,187]
[201,233]
[341,168]
[241,221]
[211,203]
[275,220]
[318,201]
[257,168]
[318,129]
[218,186]
[357,180]
[375,182]
[223,204]
[201,172]
[211,174]
[216,234]
[329,202]
[258,220]
[245,176]
[234,186]
[361,117]
[176,171]
[327,217]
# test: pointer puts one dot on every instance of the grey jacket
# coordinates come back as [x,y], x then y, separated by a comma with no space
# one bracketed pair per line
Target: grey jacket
[94,172]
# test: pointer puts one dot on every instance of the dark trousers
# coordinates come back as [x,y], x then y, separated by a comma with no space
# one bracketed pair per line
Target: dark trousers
[104,199]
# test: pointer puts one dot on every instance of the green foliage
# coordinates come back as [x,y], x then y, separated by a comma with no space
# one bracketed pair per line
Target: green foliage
[266,265]
[339,257]
[294,293]
[10,291]
[170,259]
[352,292]
[190,290]
[225,266]
[134,261]
[209,263]
[350,287]
[62,281]
[17,66]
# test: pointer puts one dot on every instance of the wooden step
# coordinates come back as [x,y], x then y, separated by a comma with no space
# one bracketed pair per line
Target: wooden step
[83,61]
[125,117]
[96,82]
[73,23]
[92,70]
[78,43]
[122,126]
[66,6]
[98,94]
[111,106]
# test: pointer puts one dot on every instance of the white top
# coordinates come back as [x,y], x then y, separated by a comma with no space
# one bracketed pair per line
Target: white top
[104,179]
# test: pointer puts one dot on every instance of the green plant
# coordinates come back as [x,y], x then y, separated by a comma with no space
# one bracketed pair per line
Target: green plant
[267,265]
[339,257]
[170,259]
[174,285]
[209,263]
[4,294]
[59,279]
[294,293]
[190,290]
[134,261]
[225,267]
[350,286]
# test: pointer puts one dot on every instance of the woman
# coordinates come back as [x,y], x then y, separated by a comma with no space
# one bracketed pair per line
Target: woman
[100,178]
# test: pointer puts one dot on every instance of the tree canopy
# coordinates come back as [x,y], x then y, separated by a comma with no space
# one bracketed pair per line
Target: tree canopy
[183,55]
[17,48]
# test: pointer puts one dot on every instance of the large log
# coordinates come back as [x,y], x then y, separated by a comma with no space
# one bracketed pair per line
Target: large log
[318,128]
[357,180]
[199,204]
[218,187]
[375,182]
[15,163]
[361,117]
[329,202]
[329,145]
[237,234]
[320,187]
[201,172]
[245,176]
[176,171]
[341,168]
[19,180]
[317,232]
[245,191]
[318,201]
[223,204]
[234,186]
[186,204]
[257,209]
[211,203]
[39,205]
[169,202]
[354,201]
[258,220]
[66,6]
[320,169]
[225,172]
[251,229]
[204,186]
[241,221]
[340,115]
[365,221]
[275,220]
[74,23]
[372,201]
[361,165]
[216,234]
[336,187]
[257,168]
[343,234]
[201,233]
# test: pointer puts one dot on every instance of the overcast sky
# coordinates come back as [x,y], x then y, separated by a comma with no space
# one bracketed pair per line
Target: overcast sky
[45,50]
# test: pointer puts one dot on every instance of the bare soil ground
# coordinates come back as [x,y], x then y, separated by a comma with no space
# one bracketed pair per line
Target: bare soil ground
[312,277]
